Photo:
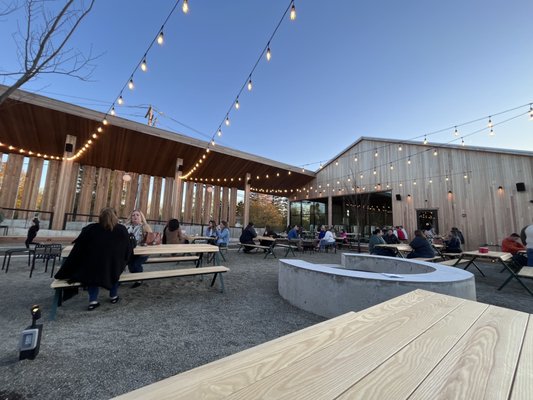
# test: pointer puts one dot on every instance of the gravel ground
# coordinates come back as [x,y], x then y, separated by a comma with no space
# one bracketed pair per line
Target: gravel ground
[160,328]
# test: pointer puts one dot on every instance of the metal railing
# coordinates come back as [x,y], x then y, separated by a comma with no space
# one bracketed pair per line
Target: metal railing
[22,217]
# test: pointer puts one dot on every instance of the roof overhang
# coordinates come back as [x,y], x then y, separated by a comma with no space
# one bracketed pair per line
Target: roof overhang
[40,124]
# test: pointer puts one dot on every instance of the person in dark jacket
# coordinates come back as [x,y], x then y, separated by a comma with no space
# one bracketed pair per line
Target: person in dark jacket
[391,238]
[247,236]
[99,256]
[421,247]
[453,243]
[32,232]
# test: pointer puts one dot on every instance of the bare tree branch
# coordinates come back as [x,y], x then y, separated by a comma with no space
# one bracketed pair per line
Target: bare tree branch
[43,47]
[7,8]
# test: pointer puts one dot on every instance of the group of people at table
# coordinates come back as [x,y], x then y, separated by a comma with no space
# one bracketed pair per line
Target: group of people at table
[103,249]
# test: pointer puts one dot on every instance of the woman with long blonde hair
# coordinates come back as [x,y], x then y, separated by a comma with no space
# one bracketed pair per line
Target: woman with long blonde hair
[137,226]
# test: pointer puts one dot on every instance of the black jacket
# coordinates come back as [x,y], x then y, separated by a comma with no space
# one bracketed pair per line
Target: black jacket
[421,248]
[98,256]
[248,235]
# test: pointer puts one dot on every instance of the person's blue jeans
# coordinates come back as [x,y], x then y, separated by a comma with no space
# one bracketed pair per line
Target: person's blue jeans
[136,263]
[530,257]
[93,292]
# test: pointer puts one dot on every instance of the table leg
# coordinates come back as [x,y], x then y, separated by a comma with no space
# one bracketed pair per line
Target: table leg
[511,276]
[472,261]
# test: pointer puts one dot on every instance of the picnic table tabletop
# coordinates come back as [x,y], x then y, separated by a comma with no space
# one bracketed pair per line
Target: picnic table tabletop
[420,345]
[163,249]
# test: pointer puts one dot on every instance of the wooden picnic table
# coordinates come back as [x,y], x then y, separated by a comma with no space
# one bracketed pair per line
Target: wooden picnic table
[399,249]
[472,256]
[420,345]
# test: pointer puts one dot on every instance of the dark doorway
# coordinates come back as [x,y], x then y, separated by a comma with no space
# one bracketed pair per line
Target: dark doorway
[428,219]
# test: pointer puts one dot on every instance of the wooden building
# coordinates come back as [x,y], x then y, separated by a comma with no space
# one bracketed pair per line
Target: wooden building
[486,193]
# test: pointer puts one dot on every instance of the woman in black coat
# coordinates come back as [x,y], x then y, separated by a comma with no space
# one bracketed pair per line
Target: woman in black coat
[32,233]
[99,256]
[421,247]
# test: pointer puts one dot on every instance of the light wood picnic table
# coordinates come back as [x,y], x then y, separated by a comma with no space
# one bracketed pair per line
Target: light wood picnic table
[420,345]
[399,249]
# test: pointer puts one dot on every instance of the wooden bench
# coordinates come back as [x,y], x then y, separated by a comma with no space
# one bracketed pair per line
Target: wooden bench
[152,260]
[429,259]
[289,247]
[526,272]
[59,284]
[453,262]
[257,247]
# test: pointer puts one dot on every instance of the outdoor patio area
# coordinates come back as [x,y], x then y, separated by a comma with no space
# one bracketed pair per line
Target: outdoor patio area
[161,328]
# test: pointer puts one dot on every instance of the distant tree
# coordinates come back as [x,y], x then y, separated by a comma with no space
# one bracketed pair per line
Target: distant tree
[41,42]
[263,211]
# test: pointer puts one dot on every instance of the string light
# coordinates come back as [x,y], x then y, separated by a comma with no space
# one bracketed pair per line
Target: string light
[130,84]
[462,142]
[185,6]
[227,120]
[435,153]
[144,66]
[293,12]
[531,112]
[491,133]
[219,132]
[456,132]
[376,153]
[250,85]
[409,161]
[112,112]
[355,158]
[268,53]
[425,140]
[391,166]
[237,105]
[160,38]
[400,147]
[490,124]
[104,121]
[120,100]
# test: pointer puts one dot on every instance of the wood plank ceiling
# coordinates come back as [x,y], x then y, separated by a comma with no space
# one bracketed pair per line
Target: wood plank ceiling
[41,125]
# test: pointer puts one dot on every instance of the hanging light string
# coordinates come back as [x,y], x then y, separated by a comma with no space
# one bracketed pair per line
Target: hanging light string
[119,100]
[266,52]
[448,129]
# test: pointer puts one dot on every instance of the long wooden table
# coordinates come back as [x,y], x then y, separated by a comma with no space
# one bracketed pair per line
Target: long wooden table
[421,345]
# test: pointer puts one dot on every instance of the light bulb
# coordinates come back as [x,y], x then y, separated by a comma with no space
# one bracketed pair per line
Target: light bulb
[293,12]
[212,142]
[409,161]
[456,133]
[491,133]
[144,67]
[160,38]
[425,140]
[130,84]
[250,84]
[219,133]
[237,105]
[99,129]
[376,154]
[227,121]
[268,55]
[462,142]
[104,121]
[490,124]
[120,100]
[400,148]
[185,6]
[435,152]
[391,167]
[375,172]
[113,111]
[531,112]
[355,159]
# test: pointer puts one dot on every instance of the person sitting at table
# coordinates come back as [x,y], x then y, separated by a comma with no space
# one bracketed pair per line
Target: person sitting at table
[375,239]
[459,234]
[137,226]
[268,233]
[99,256]
[32,233]
[344,236]
[328,240]
[391,238]
[421,246]
[223,234]
[322,232]
[211,231]
[172,234]
[247,236]
[294,233]
[429,233]
[453,243]
[513,245]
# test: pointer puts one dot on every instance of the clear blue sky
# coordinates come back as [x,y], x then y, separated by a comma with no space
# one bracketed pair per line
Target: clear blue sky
[342,70]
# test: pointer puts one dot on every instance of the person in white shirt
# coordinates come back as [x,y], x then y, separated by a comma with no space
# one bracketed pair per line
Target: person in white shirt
[328,239]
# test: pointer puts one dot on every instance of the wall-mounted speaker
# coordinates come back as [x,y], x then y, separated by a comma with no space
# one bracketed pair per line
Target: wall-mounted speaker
[180,167]
[69,147]
[399,197]
[520,187]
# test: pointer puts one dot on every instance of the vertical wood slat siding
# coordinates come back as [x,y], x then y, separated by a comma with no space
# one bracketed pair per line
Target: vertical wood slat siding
[50,187]
[102,190]
[145,190]
[116,189]
[198,203]
[155,201]
[233,207]
[131,195]
[71,189]
[490,215]
[166,212]
[189,192]
[31,185]
[208,204]
[87,187]
[10,184]
[224,215]
[216,203]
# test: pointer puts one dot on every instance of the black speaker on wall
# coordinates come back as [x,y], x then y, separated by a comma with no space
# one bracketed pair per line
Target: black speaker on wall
[399,197]
[520,187]
[69,147]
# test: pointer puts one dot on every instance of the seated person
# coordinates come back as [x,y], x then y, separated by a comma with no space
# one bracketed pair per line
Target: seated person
[211,232]
[322,232]
[223,234]
[294,234]
[32,233]
[247,236]
[377,238]
[421,246]
[172,234]
[453,243]
[328,240]
[391,238]
[268,233]
[513,245]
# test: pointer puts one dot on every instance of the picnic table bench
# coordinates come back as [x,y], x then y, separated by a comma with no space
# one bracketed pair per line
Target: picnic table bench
[59,284]
[420,345]
[177,259]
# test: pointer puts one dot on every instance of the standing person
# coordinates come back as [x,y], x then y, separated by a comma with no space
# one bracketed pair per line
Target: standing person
[247,236]
[421,246]
[172,233]
[528,236]
[98,257]
[137,226]
[32,232]
[513,245]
